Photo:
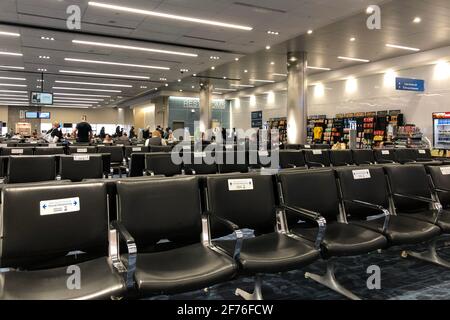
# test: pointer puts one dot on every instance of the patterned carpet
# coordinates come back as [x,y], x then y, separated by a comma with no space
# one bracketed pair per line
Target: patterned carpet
[401,279]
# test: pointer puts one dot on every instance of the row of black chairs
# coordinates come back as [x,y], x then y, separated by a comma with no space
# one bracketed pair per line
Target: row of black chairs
[172,228]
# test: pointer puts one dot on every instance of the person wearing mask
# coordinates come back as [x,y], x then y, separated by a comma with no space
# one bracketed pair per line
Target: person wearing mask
[83,131]
[108,139]
[132,133]
[102,134]
[55,134]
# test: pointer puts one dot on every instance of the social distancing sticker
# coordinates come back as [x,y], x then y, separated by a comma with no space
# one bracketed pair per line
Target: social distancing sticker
[83,157]
[52,145]
[240,184]
[385,152]
[199,154]
[83,150]
[16,151]
[263,153]
[445,171]
[58,206]
[422,152]
[361,174]
[317,151]
[307,146]
[137,149]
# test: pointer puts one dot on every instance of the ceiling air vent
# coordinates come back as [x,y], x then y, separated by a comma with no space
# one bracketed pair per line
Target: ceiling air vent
[259,8]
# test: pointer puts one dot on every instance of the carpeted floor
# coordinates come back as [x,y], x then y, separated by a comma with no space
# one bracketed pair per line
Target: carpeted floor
[404,279]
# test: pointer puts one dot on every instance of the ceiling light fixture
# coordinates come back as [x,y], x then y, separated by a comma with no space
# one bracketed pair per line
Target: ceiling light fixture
[170,16]
[213,68]
[116,64]
[79,95]
[242,85]
[214,58]
[402,47]
[13,85]
[105,74]
[310,31]
[353,59]
[267,47]
[42,70]
[86,89]
[9,78]
[352,39]
[12,91]
[319,68]
[417,20]
[47,38]
[11,54]
[13,95]
[274,33]
[80,99]
[258,80]
[224,89]
[280,74]
[10,34]
[12,67]
[236,59]
[118,46]
[95,84]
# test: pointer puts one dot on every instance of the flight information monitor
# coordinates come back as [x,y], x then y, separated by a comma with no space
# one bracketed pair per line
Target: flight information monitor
[41,98]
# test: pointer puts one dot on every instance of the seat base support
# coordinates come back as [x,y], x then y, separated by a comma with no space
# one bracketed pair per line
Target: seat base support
[430,255]
[257,291]
[329,280]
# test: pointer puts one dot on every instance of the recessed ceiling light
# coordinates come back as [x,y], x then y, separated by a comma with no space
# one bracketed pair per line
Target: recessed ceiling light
[245,71]
[214,58]
[194,75]
[13,85]
[170,16]
[309,31]
[267,47]
[86,89]
[369,10]
[258,80]
[9,78]
[275,33]
[162,79]
[280,74]
[179,80]
[319,68]
[117,64]
[181,90]
[353,59]
[12,67]
[236,59]
[417,20]
[213,68]
[105,74]
[215,92]
[193,87]
[293,59]
[352,39]
[44,57]
[242,85]
[96,84]
[166,85]
[11,54]
[143,87]
[184,70]
[272,63]
[42,70]
[402,47]
[40,80]
[10,34]
[47,38]
[118,46]
[80,95]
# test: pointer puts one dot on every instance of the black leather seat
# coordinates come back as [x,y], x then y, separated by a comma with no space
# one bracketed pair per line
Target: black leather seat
[23,169]
[384,156]
[292,159]
[32,235]
[368,186]
[232,161]
[363,157]
[43,151]
[82,149]
[175,211]
[248,201]
[161,164]
[167,149]
[405,155]
[341,239]
[77,167]
[116,158]
[18,151]
[317,158]
[129,150]
[136,166]
[440,176]
[320,146]
[199,163]
[293,147]
[341,158]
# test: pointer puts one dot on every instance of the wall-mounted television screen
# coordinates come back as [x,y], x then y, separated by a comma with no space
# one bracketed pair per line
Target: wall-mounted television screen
[44,115]
[31,115]
[41,98]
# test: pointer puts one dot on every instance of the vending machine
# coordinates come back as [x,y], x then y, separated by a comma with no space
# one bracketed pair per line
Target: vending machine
[441,130]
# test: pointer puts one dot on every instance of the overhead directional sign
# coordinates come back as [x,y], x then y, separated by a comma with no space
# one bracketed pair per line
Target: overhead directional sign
[410,84]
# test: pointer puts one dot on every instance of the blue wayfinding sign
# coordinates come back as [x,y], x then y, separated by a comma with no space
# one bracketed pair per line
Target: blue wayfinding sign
[410,84]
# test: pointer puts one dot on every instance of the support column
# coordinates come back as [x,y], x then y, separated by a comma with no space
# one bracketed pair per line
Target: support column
[205,106]
[296,97]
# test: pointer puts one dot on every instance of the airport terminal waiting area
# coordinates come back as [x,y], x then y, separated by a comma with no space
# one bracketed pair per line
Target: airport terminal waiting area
[137,226]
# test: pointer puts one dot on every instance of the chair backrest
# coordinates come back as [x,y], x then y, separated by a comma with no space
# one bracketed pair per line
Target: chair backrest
[410,180]
[137,165]
[129,150]
[293,147]
[232,161]
[198,162]
[81,166]
[82,149]
[52,220]
[116,152]
[314,190]
[156,141]
[341,158]
[161,164]
[167,149]
[405,155]
[290,158]
[28,151]
[321,146]
[384,155]
[366,184]
[158,209]
[317,156]
[363,156]
[248,200]
[23,169]
[440,175]
[42,151]
[423,155]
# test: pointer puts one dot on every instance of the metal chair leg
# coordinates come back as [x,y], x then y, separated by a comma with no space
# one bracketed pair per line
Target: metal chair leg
[430,255]
[257,292]
[329,280]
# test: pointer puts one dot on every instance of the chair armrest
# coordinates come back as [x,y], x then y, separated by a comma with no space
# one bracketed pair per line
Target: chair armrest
[148,173]
[235,229]
[381,161]
[293,166]
[386,213]
[315,164]
[442,190]
[436,205]
[117,232]
[313,216]
[366,162]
